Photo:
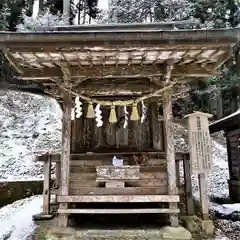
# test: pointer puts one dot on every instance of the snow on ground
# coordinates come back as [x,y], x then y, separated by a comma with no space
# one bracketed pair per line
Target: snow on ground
[217,179]
[30,124]
[16,219]
[227,209]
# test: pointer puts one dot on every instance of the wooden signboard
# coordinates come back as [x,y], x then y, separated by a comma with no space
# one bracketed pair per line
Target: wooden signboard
[200,147]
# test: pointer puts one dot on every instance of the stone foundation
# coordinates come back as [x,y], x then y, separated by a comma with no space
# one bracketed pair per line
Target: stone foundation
[165,233]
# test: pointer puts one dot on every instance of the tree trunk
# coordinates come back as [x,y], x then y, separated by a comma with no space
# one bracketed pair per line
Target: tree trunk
[41,6]
[66,9]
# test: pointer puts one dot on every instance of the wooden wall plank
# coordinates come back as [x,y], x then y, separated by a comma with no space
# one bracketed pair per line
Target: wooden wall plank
[86,136]
[156,128]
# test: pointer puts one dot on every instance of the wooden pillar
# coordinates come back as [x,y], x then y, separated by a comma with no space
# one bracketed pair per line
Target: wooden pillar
[65,156]
[170,151]
[188,186]
[46,184]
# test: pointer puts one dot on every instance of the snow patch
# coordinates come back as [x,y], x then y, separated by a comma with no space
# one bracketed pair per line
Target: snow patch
[16,219]
[227,209]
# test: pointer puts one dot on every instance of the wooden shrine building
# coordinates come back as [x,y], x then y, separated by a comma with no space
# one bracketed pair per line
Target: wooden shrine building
[110,80]
[231,127]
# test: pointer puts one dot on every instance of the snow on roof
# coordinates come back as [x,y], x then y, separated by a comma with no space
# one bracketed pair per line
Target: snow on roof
[226,118]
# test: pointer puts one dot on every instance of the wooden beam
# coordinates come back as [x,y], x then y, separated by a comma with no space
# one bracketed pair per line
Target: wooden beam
[119,211]
[170,151]
[99,155]
[92,87]
[99,37]
[13,62]
[119,198]
[133,71]
[65,156]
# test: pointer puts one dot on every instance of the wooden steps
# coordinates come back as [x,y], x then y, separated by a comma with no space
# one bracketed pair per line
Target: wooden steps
[118,191]
[118,211]
[125,191]
[118,198]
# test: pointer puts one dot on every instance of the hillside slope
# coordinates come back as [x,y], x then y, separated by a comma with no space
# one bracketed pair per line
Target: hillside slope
[29,124]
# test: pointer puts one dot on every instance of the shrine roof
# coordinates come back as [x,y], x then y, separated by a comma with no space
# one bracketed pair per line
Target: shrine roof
[107,54]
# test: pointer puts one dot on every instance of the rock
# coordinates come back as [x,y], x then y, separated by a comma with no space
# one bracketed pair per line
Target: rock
[192,223]
[35,135]
[235,216]
[175,233]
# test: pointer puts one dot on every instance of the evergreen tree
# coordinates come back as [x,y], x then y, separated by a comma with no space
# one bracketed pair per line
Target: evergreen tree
[125,11]
[4,16]
[15,8]
[82,8]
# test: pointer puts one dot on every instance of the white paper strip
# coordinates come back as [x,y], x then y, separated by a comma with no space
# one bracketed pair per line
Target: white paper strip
[98,115]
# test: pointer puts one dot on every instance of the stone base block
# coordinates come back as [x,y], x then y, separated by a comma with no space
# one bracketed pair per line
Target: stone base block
[197,225]
[42,217]
[175,233]
[192,223]
[208,227]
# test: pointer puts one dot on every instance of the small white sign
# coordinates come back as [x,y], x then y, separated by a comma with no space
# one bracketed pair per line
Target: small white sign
[117,162]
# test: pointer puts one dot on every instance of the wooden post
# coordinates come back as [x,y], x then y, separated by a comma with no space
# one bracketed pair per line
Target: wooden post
[58,179]
[65,157]
[203,195]
[46,185]
[170,151]
[200,152]
[178,182]
[188,186]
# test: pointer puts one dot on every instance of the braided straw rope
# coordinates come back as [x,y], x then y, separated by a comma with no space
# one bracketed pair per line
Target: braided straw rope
[120,102]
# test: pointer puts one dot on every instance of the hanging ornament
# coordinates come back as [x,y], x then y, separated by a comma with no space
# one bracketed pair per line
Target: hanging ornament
[134,115]
[112,116]
[98,114]
[72,114]
[126,117]
[144,112]
[90,111]
[78,107]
